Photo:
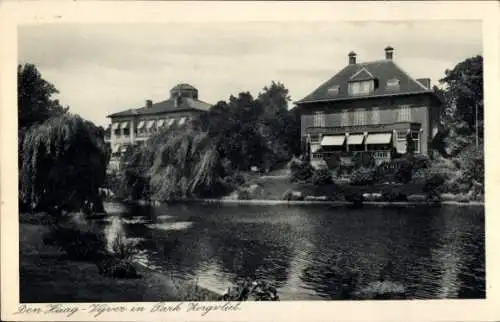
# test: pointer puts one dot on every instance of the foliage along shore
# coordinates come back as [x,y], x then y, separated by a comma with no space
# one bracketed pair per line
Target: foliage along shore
[270,202]
[75,249]
[312,201]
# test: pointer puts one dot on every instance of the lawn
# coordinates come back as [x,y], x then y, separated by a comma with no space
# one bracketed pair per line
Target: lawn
[275,188]
[47,276]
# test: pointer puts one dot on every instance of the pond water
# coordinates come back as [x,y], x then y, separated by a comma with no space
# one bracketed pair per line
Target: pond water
[435,252]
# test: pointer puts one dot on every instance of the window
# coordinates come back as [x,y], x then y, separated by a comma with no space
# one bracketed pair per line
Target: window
[126,132]
[319,119]
[359,117]
[116,128]
[314,138]
[361,88]
[150,125]
[344,118]
[404,113]
[375,115]
[334,90]
[415,135]
[393,84]
[402,141]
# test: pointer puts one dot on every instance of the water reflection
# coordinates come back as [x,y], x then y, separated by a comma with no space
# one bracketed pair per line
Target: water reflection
[310,252]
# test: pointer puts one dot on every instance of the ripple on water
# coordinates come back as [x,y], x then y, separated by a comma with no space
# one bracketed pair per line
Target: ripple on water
[114,208]
[134,220]
[180,225]
[163,217]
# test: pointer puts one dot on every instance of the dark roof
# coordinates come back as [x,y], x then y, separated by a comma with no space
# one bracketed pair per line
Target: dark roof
[183,86]
[168,106]
[381,70]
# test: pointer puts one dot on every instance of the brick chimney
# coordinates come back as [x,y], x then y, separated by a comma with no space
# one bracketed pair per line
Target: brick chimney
[352,58]
[149,103]
[389,52]
[425,81]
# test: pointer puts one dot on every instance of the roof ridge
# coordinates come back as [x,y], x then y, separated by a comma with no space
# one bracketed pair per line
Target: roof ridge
[324,83]
[375,61]
[359,72]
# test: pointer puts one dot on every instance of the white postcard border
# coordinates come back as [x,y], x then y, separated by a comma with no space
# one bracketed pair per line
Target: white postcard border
[14,13]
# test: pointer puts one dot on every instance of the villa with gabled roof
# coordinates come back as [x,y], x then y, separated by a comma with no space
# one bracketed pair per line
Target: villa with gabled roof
[368,108]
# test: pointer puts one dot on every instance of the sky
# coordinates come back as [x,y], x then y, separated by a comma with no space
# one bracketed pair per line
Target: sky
[101,69]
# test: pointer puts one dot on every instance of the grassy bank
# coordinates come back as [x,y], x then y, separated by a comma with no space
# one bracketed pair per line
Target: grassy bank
[47,275]
[268,202]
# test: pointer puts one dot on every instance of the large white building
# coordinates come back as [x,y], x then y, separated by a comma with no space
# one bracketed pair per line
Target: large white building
[133,126]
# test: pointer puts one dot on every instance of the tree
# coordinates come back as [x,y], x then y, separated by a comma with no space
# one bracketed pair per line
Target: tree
[34,97]
[274,99]
[254,132]
[63,165]
[463,93]
[174,164]
[463,110]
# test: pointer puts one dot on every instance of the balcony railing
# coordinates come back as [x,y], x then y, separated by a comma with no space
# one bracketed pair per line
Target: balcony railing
[347,158]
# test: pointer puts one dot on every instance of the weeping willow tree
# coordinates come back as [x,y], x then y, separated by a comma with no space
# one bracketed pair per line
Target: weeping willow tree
[173,165]
[63,165]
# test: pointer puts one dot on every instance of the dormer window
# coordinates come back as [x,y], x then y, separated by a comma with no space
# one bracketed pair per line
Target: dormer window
[393,84]
[361,87]
[333,91]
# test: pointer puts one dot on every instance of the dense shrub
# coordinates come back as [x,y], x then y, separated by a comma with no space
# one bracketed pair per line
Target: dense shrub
[418,177]
[79,244]
[363,176]
[292,195]
[433,185]
[40,218]
[300,170]
[355,198]
[253,191]
[322,177]
[420,161]
[471,166]
[394,196]
[122,248]
[462,174]
[116,268]
[363,160]
[239,178]
[403,170]
[234,181]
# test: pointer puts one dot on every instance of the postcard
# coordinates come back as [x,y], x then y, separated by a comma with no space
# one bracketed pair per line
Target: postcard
[241,161]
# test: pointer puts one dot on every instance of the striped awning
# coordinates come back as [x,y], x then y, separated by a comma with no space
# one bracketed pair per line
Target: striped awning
[124,125]
[170,122]
[379,138]
[141,124]
[160,123]
[354,139]
[115,126]
[150,124]
[182,121]
[333,140]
